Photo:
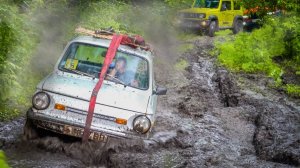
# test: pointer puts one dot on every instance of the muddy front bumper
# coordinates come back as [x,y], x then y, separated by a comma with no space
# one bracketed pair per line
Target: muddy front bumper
[75,129]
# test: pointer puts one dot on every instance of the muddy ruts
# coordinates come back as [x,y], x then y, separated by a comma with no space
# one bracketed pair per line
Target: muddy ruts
[277,136]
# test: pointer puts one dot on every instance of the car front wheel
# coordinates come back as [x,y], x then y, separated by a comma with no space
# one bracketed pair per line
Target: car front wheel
[212,29]
[238,26]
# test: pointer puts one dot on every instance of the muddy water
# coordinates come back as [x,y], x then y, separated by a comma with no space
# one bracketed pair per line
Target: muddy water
[208,119]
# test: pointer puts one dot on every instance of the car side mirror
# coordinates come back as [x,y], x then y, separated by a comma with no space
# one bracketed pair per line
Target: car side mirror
[160,91]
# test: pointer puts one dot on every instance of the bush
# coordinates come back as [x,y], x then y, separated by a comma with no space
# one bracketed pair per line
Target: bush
[105,14]
[293,90]
[17,43]
[255,52]
[125,18]
[20,27]
[3,159]
[291,26]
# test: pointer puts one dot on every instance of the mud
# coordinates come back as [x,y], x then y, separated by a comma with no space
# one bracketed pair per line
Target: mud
[209,118]
[277,135]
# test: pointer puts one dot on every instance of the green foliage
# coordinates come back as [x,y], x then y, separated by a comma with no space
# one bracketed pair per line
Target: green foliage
[3,163]
[291,26]
[185,47]
[263,7]
[180,4]
[183,36]
[181,64]
[125,18]
[16,39]
[19,35]
[255,52]
[105,14]
[223,32]
[293,90]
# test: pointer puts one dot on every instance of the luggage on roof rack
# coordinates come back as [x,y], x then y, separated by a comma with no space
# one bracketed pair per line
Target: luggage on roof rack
[135,41]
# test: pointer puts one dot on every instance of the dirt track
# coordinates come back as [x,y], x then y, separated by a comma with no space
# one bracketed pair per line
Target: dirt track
[209,118]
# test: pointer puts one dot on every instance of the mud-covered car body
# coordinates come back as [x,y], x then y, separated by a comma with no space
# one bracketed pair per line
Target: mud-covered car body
[211,15]
[118,107]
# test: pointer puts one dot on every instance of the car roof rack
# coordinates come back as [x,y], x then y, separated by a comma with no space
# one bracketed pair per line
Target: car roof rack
[135,41]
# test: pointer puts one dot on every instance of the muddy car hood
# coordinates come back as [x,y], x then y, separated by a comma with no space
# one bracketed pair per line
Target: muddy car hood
[110,94]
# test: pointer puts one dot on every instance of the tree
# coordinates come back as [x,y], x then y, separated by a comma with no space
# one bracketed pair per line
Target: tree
[262,7]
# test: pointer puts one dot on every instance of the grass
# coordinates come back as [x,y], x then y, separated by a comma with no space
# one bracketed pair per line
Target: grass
[185,47]
[293,90]
[186,36]
[256,52]
[225,32]
[253,53]
[3,160]
[181,64]
[168,161]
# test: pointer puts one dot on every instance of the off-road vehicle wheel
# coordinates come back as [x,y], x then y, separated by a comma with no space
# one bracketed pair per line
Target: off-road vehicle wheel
[238,26]
[30,131]
[212,29]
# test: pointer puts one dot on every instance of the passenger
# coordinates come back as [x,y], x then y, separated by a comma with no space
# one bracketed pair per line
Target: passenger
[122,74]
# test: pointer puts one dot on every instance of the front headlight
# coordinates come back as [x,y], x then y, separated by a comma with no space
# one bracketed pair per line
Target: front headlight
[141,124]
[41,100]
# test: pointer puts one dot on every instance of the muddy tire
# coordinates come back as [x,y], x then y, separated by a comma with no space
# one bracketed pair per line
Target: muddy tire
[30,131]
[238,26]
[212,29]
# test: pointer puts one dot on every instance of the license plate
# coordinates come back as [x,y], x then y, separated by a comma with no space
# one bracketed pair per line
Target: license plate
[78,132]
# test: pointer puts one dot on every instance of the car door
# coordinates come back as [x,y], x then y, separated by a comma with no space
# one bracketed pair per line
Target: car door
[226,14]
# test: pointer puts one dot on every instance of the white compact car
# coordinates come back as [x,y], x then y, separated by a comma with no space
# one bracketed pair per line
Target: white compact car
[126,103]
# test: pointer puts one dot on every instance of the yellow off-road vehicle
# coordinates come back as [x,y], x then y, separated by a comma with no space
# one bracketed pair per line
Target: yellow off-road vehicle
[209,16]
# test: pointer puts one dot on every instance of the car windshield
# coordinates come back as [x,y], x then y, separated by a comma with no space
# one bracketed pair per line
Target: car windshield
[87,59]
[206,4]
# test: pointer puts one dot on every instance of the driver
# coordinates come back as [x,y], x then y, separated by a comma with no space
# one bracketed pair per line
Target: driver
[120,73]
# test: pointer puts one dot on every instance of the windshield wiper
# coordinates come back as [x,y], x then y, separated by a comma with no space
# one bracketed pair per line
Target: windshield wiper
[80,73]
[116,80]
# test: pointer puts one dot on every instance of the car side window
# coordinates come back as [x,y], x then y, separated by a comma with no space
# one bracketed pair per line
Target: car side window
[236,5]
[226,5]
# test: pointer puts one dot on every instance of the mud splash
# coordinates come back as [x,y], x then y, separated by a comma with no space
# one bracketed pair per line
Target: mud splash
[101,154]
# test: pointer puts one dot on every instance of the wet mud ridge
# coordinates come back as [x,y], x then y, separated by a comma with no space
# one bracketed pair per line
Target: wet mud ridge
[209,118]
[212,118]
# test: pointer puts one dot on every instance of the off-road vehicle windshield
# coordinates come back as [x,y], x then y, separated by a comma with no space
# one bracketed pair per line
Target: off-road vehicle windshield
[206,4]
[87,59]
